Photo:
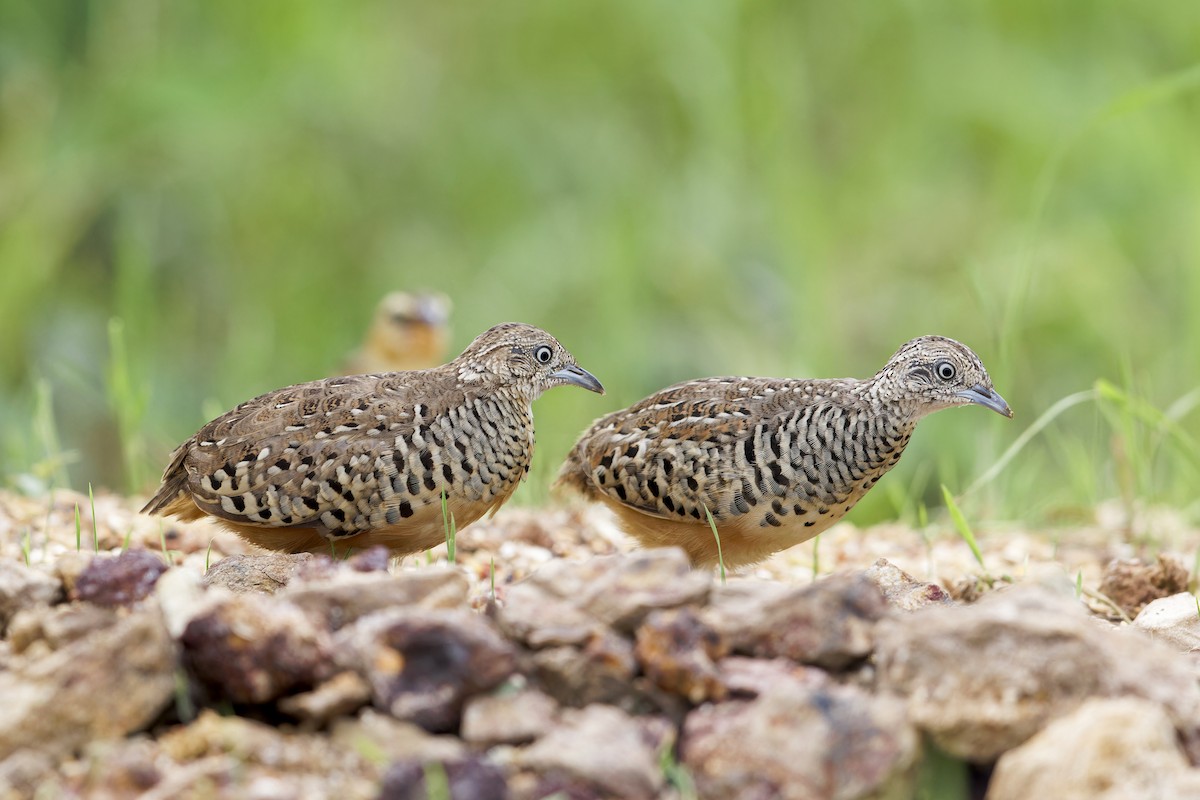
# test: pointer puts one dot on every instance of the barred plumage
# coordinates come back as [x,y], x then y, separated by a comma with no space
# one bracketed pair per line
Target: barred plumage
[366,459]
[775,461]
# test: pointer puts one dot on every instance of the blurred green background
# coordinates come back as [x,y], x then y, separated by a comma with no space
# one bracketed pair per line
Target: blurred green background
[200,202]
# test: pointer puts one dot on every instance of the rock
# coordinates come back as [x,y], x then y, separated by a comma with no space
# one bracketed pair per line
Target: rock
[373,559]
[53,627]
[1174,620]
[182,597]
[26,773]
[750,677]
[828,623]
[678,652]
[423,664]
[385,739]
[1133,583]
[982,679]
[601,671]
[120,580]
[349,595]
[620,590]
[603,747]
[802,738]
[342,694]
[253,648]
[508,717]
[1118,748]
[110,683]
[464,777]
[902,590]
[23,587]
[250,759]
[631,586]
[538,618]
[266,572]
[69,566]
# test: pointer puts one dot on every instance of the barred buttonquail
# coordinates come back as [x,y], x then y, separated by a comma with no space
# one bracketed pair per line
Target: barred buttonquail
[775,461]
[410,330]
[366,459]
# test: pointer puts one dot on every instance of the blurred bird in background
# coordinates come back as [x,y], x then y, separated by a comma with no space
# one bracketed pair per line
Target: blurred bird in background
[410,330]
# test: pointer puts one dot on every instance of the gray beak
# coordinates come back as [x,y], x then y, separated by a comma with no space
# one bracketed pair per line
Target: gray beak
[987,398]
[580,377]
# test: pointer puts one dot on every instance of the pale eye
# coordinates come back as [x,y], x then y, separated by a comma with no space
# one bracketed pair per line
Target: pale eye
[543,354]
[945,370]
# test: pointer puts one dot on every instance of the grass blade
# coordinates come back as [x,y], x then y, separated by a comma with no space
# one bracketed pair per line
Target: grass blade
[450,528]
[960,524]
[720,558]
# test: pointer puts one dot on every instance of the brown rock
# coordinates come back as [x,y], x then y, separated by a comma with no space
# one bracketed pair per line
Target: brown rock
[750,677]
[373,559]
[1133,583]
[265,572]
[108,684]
[902,590]
[539,618]
[69,566]
[603,747]
[599,672]
[631,586]
[386,739]
[349,595]
[678,652]
[802,739]
[828,623]
[1118,748]
[469,776]
[23,587]
[252,649]
[56,626]
[982,679]
[342,694]
[508,717]
[120,580]
[423,664]
[249,759]
[26,772]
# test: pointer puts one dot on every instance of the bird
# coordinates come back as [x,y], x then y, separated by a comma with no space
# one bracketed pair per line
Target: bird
[390,458]
[410,330]
[774,461]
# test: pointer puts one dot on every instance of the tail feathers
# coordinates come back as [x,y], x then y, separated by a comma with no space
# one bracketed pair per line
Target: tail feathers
[174,485]
[573,476]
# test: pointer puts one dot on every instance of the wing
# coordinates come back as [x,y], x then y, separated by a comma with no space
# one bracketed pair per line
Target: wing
[319,455]
[679,451]
[721,444]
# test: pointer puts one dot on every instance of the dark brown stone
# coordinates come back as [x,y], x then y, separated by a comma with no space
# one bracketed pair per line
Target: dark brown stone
[252,649]
[422,665]
[120,580]
[1132,583]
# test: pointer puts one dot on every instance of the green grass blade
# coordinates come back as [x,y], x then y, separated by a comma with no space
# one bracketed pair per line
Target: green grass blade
[451,530]
[960,524]
[720,557]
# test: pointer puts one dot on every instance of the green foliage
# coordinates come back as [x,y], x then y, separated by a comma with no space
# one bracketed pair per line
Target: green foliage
[761,188]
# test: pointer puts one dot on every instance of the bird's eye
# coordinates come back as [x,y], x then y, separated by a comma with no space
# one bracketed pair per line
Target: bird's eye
[945,370]
[543,354]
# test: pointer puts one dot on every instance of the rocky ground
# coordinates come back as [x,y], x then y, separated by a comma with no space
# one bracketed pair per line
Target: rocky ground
[149,659]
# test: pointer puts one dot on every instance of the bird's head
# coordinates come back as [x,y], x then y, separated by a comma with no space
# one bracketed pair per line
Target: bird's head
[524,359]
[930,373]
